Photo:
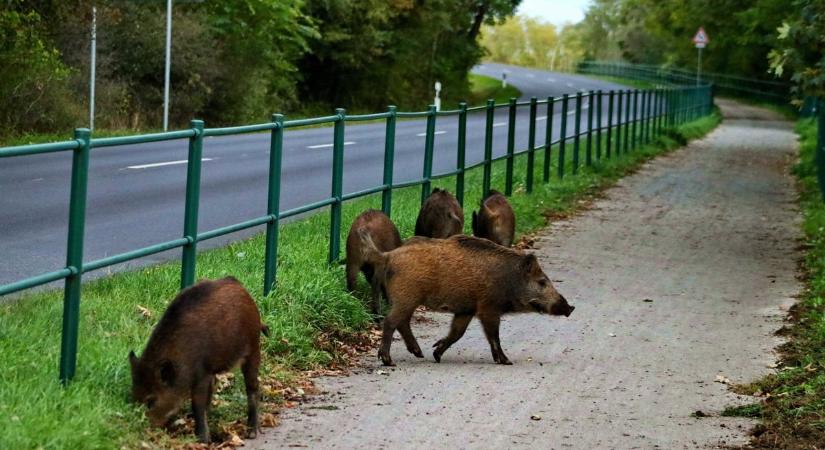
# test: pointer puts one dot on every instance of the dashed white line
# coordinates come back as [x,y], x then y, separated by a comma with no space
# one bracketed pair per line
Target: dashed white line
[530,75]
[161,164]
[437,132]
[327,145]
[552,80]
[541,118]
[499,124]
[569,85]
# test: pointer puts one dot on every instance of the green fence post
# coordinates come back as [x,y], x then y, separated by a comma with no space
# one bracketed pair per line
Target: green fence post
[588,157]
[190,215]
[609,137]
[74,254]
[511,147]
[531,144]
[577,130]
[548,139]
[389,161]
[619,96]
[643,117]
[462,152]
[649,115]
[598,125]
[627,119]
[429,143]
[337,185]
[634,125]
[273,203]
[819,104]
[488,146]
[563,134]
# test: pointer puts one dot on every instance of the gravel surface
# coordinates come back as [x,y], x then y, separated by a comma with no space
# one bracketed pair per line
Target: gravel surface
[680,274]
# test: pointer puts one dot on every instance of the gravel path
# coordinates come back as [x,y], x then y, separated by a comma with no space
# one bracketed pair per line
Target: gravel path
[681,273]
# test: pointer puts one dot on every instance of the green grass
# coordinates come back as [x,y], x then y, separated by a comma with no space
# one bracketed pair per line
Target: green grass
[310,302]
[483,88]
[793,412]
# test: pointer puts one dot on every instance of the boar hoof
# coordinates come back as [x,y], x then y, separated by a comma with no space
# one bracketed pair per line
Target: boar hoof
[437,356]
[504,361]
[252,434]
[385,359]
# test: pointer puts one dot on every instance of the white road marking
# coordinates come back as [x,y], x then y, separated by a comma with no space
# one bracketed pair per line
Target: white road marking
[328,145]
[437,132]
[530,75]
[161,164]
[552,80]
[499,124]
[541,118]
[38,179]
[569,85]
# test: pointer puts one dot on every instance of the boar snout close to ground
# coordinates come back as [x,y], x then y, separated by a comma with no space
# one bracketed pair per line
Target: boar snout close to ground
[495,220]
[466,276]
[440,217]
[385,236]
[209,328]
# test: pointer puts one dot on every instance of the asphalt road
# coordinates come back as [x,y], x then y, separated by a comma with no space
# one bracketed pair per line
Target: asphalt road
[136,192]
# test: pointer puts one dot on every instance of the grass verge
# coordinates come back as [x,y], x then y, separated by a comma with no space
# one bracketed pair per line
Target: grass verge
[483,88]
[631,82]
[309,314]
[792,409]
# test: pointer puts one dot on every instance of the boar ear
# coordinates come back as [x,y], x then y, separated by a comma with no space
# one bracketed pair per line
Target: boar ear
[133,359]
[531,265]
[167,372]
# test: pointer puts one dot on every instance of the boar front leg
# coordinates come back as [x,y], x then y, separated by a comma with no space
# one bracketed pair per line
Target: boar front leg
[398,315]
[491,326]
[457,329]
[201,396]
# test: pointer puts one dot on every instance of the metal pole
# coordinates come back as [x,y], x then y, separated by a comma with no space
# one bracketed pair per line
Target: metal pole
[168,65]
[699,68]
[273,203]
[92,70]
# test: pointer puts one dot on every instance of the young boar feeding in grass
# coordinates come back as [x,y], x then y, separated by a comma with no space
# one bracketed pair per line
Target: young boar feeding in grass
[495,220]
[463,275]
[208,329]
[385,236]
[440,217]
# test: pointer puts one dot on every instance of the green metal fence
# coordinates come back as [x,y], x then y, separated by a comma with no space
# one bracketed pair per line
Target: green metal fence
[658,110]
[772,90]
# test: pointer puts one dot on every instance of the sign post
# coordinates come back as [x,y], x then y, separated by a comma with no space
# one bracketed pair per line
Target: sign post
[437,102]
[701,40]
[92,64]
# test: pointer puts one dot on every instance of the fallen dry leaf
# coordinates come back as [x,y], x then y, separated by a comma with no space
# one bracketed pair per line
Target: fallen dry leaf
[722,379]
[144,311]
[535,417]
[269,420]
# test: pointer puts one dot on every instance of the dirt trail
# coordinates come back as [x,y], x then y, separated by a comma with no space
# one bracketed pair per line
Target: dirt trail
[681,273]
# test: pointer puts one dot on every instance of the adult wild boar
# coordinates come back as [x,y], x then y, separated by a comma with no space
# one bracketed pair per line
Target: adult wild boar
[208,329]
[385,236]
[462,275]
[495,219]
[440,217]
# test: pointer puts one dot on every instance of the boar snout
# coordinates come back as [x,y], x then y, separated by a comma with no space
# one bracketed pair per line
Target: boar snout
[569,311]
[561,308]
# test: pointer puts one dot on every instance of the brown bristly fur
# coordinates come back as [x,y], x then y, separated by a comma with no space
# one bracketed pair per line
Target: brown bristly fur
[440,217]
[495,219]
[384,234]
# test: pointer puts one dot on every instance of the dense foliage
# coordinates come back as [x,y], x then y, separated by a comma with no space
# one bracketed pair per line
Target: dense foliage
[233,61]
[801,48]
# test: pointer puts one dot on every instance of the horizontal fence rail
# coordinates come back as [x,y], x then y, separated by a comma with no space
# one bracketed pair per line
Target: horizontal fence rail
[723,83]
[614,123]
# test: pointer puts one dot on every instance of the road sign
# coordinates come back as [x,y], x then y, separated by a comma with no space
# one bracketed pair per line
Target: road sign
[701,38]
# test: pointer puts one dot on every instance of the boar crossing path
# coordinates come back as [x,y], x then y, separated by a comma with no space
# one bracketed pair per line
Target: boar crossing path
[681,273]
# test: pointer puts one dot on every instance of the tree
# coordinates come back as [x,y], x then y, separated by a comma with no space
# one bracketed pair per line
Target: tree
[800,49]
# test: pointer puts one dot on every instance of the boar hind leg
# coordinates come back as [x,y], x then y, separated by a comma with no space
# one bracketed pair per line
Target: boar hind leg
[250,378]
[457,329]
[398,315]
[352,274]
[409,339]
[201,396]
[491,326]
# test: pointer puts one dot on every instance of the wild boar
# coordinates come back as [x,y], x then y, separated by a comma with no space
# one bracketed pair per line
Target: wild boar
[209,328]
[466,276]
[495,219]
[385,236]
[440,217]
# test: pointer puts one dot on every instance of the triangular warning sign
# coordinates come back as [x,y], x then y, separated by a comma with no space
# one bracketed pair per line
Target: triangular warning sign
[701,37]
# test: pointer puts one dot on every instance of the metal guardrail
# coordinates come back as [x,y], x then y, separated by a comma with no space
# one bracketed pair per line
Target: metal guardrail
[653,111]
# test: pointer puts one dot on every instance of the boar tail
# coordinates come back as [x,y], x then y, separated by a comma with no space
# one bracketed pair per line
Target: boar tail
[369,251]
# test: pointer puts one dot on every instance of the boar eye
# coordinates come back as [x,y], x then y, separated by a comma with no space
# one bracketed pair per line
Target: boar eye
[150,402]
[543,282]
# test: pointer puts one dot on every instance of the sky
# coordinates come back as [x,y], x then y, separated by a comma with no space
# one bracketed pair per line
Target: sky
[555,11]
